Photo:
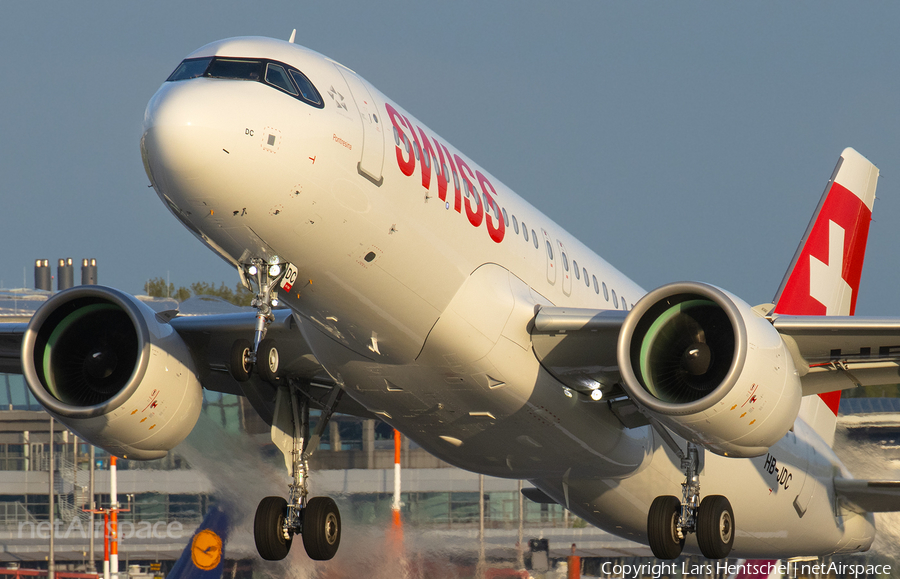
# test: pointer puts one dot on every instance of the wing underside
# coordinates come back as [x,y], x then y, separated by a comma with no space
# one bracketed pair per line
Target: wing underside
[210,338]
[872,496]
[577,346]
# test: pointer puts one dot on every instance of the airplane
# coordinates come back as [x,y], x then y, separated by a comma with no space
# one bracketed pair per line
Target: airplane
[204,555]
[396,278]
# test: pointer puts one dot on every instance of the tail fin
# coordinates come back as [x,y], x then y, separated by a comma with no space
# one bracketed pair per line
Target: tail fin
[823,278]
[204,556]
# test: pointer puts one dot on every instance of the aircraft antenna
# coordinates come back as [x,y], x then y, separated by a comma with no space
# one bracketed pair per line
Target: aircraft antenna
[293,35]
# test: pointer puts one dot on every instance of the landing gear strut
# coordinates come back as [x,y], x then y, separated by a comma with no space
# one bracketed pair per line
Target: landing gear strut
[262,353]
[317,519]
[669,521]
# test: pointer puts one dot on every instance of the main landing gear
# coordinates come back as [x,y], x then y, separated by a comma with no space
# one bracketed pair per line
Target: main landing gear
[669,521]
[277,520]
[317,519]
[262,353]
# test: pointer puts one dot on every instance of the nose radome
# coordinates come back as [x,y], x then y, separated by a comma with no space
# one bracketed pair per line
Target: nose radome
[182,127]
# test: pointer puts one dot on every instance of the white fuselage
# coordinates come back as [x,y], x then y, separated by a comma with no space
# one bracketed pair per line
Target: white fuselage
[416,296]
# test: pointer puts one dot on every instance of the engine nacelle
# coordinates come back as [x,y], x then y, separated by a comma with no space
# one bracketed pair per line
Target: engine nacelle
[102,364]
[703,363]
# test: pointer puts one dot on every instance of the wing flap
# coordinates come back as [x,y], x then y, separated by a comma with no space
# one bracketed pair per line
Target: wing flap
[872,496]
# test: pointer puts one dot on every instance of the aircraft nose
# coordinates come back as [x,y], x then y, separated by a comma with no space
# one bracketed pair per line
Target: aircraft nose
[181,130]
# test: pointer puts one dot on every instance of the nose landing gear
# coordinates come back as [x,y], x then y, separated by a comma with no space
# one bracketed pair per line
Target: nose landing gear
[669,521]
[262,353]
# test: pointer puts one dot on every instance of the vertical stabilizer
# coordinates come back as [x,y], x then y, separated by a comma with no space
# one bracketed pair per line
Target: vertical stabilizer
[823,278]
[204,555]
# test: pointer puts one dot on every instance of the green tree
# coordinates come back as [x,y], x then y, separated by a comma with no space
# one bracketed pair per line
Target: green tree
[182,294]
[238,296]
[157,288]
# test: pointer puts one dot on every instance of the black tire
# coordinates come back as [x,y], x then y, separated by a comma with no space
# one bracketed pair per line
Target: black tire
[268,529]
[715,527]
[267,360]
[239,364]
[321,528]
[662,521]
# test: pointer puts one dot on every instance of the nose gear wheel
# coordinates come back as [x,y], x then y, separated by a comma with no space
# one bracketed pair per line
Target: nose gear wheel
[262,353]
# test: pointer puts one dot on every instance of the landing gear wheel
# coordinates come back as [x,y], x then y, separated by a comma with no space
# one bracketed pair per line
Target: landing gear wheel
[715,527]
[239,361]
[662,521]
[268,529]
[321,528]
[267,362]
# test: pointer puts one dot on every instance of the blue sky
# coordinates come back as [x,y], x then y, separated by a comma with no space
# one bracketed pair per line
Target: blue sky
[687,140]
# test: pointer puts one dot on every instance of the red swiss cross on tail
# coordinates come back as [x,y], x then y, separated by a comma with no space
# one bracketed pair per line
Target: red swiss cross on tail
[824,275]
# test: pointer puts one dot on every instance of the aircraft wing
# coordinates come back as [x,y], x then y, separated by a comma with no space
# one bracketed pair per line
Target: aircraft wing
[840,352]
[209,338]
[873,496]
[578,346]
[11,347]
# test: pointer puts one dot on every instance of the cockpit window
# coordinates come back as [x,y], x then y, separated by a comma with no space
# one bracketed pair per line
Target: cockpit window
[275,74]
[234,68]
[307,90]
[191,68]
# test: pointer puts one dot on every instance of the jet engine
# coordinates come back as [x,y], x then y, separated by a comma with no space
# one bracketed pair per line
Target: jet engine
[103,364]
[703,363]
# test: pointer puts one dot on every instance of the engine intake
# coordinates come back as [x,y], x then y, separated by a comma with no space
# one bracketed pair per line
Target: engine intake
[706,365]
[101,363]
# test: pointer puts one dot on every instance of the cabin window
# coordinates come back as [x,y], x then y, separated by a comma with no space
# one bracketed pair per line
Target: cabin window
[565,260]
[516,225]
[491,207]
[505,217]
[586,282]
[534,239]
[605,292]
[525,230]
[396,136]
[615,300]
[624,304]
[596,287]
[575,265]
[549,248]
